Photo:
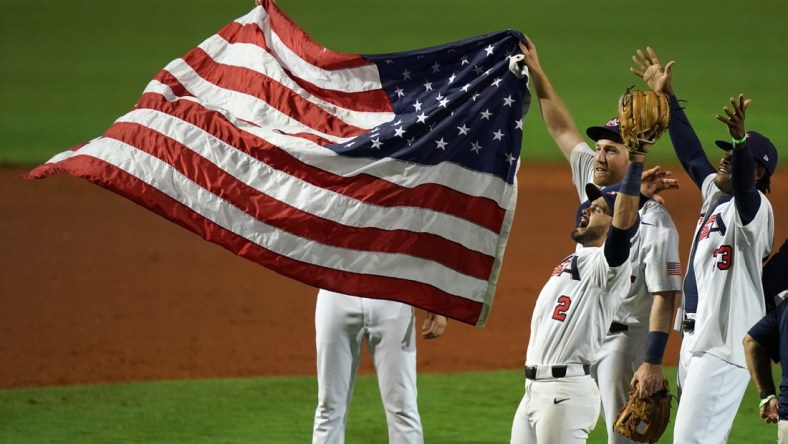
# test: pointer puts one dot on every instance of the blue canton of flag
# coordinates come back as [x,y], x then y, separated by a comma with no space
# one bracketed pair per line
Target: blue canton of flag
[457,103]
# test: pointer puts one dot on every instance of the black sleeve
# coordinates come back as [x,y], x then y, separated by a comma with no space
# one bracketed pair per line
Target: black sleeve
[745,196]
[687,145]
[617,245]
[775,273]
[767,331]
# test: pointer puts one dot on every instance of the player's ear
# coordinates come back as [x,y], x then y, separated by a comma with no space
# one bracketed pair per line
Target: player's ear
[760,172]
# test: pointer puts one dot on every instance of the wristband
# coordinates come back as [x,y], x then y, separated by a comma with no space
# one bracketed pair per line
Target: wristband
[740,141]
[765,401]
[656,347]
[631,183]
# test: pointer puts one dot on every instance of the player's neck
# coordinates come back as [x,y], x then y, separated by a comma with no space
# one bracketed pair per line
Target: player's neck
[594,243]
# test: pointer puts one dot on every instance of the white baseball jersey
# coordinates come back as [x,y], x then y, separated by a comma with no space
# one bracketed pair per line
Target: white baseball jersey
[574,309]
[727,264]
[654,251]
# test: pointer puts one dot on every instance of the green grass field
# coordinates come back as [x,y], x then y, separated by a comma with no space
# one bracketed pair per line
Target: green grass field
[458,408]
[70,68]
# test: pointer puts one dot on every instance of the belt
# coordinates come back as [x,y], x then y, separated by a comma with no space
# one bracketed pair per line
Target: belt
[688,325]
[557,371]
[616,327]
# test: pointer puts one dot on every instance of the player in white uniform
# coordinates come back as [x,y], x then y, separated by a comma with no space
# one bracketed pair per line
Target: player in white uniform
[571,318]
[723,293]
[632,351]
[342,323]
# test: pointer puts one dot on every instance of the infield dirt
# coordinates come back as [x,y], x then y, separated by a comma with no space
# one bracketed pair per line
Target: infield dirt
[96,289]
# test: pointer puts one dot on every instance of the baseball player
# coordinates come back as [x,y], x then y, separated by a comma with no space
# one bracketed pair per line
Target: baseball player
[342,323]
[723,293]
[571,318]
[631,354]
[769,339]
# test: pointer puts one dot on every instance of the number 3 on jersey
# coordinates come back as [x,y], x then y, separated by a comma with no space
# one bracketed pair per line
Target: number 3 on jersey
[724,256]
[559,314]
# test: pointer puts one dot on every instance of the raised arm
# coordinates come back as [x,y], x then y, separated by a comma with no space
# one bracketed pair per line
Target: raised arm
[625,213]
[628,199]
[685,141]
[746,196]
[556,116]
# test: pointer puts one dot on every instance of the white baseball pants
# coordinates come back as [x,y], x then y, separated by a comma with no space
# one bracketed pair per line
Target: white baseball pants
[711,392]
[342,322]
[562,410]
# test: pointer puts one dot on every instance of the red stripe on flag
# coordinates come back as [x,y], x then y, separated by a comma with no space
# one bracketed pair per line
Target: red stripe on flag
[370,101]
[410,292]
[366,188]
[303,45]
[300,223]
[275,94]
[166,78]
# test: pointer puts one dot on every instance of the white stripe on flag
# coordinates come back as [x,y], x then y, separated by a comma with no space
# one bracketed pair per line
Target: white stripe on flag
[253,57]
[171,182]
[406,174]
[310,198]
[244,106]
[362,78]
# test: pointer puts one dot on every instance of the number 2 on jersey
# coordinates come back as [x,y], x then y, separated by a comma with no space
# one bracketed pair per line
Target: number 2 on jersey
[559,314]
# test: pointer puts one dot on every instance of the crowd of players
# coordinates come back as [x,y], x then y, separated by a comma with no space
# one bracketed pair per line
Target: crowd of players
[603,318]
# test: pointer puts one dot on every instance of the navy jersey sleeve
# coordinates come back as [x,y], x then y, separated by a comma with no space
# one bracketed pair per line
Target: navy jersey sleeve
[746,197]
[767,331]
[687,145]
[617,244]
[775,273]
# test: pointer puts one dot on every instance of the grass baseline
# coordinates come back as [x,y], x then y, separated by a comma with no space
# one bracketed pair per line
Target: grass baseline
[455,408]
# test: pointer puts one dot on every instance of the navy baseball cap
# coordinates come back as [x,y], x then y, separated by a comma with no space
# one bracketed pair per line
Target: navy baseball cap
[593,192]
[762,149]
[611,131]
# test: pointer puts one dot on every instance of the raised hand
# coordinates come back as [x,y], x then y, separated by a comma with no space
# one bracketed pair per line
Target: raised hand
[654,180]
[735,117]
[650,69]
[529,51]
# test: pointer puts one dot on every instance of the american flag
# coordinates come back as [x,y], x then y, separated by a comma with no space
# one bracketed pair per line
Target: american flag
[386,176]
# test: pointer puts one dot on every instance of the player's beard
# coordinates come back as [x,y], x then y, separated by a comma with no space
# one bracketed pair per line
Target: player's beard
[588,236]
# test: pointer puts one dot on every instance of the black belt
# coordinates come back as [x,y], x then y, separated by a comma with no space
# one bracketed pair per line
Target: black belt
[688,325]
[615,327]
[558,371]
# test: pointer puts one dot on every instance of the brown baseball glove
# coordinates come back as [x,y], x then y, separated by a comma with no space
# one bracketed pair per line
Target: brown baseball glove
[643,116]
[645,420]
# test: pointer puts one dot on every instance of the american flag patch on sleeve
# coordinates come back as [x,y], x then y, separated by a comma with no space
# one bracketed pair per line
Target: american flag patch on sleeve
[674,268]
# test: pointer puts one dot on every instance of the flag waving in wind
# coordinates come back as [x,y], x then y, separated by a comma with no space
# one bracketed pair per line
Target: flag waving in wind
[386,176]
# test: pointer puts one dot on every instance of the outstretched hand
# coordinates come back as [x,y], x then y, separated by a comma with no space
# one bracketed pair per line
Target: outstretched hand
[735,116]
[650,69]
[654,180]
[434,326]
